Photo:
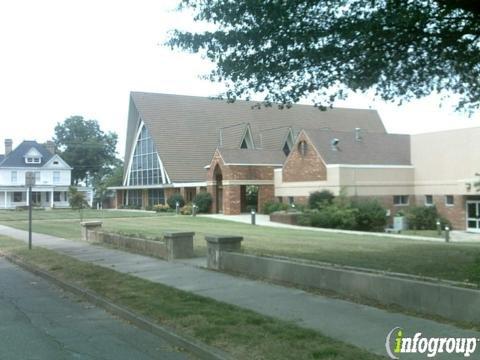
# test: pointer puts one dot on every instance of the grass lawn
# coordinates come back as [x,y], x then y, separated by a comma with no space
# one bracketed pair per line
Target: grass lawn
[242,333]
[16,215]
[453,261]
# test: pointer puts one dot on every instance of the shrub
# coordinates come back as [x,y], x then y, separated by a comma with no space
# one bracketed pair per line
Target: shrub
[172,200]
[203,200]
[335,217]
[425,218]
[270,207]
[186,210]
[371,216]
[319,199]
[161,208]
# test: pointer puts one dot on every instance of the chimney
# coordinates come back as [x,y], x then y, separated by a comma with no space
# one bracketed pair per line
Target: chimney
[50,146]
[8,146]
[358,134]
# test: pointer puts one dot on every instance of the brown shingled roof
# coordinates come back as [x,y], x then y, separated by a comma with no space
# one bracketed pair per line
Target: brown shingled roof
[185,129]
[373,149]
[252,157]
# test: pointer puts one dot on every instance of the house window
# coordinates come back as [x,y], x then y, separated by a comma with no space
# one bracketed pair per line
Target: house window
[13,177]
[56,177]
[17,197]
[400,200]
[55,162]
[57,196]
[428,200]
[32,160]
[145,169]
[37,177]
[286,149]
[290,200]
[449,200]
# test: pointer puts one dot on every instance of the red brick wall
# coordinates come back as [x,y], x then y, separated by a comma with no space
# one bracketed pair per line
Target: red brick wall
[231,200]
[266,193]
[456,213]
[309,167]
[232,193]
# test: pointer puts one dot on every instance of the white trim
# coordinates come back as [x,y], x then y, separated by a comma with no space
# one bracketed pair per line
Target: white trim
[249,142]
[247,182]
[56,157]
[190,184]
[468,229]
[129,168]
[165,177]
[371,166]
[240,164]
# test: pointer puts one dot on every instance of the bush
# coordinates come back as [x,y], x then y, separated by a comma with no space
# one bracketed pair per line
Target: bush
[335,217]
[161,208]
[270,207]
[172,200]
[371,216]
[319,199]
[425,218]
[203,200]
[186,210]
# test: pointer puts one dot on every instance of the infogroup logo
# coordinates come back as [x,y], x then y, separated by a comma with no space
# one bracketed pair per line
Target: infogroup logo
[397,343]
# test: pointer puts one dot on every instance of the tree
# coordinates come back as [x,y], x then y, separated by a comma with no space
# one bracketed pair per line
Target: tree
[112,176]
[320,49]
[77,200]
[85,147]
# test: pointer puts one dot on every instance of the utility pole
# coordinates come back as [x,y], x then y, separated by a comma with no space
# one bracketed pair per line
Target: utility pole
[29,181]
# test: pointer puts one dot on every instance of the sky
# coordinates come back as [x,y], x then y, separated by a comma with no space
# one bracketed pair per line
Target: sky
[60,58]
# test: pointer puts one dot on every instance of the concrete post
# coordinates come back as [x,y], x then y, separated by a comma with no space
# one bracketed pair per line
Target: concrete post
[90,226]
[179,244]
[218,243]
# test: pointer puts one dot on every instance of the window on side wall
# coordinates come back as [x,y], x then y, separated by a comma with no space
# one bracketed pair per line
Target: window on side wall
[428,200]
[400,200]
[13,177]
[449,200]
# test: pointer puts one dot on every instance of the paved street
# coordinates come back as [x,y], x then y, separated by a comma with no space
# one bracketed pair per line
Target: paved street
[356,324]
[39,321]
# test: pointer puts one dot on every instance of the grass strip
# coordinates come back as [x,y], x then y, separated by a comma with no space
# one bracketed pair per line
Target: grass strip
[242,333]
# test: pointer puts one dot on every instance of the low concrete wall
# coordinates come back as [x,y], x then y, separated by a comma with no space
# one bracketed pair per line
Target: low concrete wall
[450,302]
[285,217]
[174,246]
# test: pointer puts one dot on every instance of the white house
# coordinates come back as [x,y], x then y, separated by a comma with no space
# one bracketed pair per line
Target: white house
[52,176]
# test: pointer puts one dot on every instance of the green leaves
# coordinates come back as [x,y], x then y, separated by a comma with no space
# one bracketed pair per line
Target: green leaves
[288,50]
[85,147]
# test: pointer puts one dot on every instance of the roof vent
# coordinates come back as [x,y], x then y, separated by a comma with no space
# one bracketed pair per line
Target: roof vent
[334,144]
[358,134]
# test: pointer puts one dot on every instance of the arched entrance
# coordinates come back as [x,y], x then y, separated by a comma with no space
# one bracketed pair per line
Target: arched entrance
[218,189]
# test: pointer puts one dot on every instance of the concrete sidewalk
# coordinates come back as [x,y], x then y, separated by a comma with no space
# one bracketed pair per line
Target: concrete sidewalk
[360,325]
[264,220]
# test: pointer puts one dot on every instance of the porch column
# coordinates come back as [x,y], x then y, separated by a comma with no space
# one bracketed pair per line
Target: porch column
[51,198]
[28,196]
[5,199]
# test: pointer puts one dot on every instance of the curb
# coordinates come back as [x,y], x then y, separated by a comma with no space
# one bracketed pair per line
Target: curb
[191,345]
